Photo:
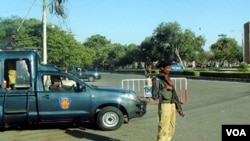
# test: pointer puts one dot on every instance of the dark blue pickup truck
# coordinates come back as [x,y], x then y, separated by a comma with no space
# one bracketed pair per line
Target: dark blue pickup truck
[85,74]
[29,100]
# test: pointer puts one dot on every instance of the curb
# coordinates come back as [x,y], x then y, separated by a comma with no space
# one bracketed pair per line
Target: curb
[247,80]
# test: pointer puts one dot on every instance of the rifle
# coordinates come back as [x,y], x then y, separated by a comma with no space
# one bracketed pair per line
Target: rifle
[175,99]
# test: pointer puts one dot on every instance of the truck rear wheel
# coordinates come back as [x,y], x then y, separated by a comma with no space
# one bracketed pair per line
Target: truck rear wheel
[110,118]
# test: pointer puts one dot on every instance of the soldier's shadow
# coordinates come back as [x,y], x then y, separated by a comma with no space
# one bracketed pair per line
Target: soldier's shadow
[90,136]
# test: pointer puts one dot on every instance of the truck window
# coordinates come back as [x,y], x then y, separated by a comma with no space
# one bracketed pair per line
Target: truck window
[58,83]
[17,73]
[46,82]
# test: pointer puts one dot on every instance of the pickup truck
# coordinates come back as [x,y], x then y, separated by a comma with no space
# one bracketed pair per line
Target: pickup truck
[30,101]
[85,74]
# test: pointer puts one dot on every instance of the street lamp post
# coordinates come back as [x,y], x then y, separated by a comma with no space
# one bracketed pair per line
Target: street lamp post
[44,32]
[222,35]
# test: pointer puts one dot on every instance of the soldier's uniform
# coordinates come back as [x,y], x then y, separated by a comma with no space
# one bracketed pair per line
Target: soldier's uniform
[9,43]
[166,109]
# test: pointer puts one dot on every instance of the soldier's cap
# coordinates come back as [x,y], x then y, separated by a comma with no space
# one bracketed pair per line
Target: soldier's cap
[12,32]
[164,63]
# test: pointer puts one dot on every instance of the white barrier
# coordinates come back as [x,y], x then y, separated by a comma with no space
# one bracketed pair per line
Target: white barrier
[140,87]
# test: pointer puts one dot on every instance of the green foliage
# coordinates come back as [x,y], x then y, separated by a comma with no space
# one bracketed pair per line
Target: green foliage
[226,74]
[226,49]
[196,73]
[63,50]
[191,72]
[244,67]
[157,71]
[8,23]
[167,39]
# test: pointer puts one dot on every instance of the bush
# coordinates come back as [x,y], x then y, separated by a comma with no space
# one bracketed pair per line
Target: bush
[243,67]
[156,71]
[196,73]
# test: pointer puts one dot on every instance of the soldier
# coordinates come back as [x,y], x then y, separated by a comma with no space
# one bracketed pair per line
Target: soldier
[166,109]
[10,40]
[9,43]
[148,70]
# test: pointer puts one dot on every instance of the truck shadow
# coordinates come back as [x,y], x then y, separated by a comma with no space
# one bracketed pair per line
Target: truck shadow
[94,137]
[72,130]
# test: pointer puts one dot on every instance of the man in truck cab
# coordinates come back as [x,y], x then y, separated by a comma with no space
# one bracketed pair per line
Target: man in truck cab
[56,84]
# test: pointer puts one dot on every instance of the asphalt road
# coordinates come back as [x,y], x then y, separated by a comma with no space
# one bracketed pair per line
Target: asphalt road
[211,104]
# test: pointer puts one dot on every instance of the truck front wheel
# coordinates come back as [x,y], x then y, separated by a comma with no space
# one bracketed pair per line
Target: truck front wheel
[91,78]
[110,118]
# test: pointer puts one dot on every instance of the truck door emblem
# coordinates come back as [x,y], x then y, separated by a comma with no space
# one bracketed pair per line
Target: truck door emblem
[64,102]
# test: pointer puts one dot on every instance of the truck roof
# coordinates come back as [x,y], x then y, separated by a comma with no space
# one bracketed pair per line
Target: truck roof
[30,55]
[18,54]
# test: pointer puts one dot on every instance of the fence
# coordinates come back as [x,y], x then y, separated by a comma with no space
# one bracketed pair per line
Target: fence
[143,90]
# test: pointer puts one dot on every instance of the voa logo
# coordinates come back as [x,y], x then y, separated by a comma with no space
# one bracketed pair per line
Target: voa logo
[236,132]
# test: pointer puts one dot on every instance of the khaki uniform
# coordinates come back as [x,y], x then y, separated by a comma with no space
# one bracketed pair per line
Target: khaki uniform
[12,72]
[166,114]
[167,118]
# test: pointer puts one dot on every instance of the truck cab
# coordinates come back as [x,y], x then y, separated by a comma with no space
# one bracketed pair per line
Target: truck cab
[30,100]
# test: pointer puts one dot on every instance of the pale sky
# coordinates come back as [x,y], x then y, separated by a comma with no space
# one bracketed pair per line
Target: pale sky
[131,21]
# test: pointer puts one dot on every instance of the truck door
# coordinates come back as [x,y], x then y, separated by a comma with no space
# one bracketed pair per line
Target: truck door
[62,105]
[16,93]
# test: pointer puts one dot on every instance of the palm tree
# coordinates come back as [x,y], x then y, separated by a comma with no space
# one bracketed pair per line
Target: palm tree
[57,7]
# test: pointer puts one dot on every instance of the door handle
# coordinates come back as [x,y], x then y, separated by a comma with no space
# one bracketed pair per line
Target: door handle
[46,96]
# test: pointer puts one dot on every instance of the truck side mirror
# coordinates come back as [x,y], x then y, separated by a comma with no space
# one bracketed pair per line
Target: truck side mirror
[82,88]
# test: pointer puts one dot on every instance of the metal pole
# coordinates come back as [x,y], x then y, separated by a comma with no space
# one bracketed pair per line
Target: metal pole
[44,33]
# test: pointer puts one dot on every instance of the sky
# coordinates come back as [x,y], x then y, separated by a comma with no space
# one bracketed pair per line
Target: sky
[131,21]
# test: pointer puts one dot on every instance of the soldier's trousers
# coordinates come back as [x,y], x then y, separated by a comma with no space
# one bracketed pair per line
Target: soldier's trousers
[11,65]
[167,118]
[12,76]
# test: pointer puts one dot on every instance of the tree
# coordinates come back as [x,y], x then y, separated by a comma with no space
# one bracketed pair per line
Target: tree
[29,35]
[170,41]
[167,40]
[102,48]
[96,41]
[9,23]
[65,51]
[225,49]
[147,50]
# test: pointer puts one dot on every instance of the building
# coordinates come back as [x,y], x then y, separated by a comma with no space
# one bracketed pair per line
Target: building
[246,51]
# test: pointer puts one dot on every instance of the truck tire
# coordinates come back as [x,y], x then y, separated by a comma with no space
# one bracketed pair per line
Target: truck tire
[110,118]
[91,78]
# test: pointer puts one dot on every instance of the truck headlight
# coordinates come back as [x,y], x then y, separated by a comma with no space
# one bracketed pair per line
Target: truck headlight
[130,96]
